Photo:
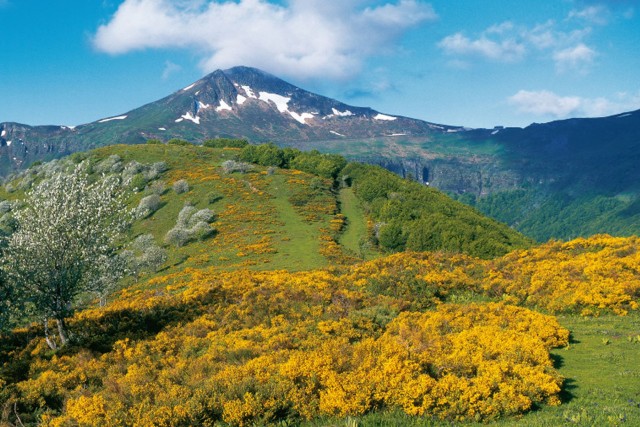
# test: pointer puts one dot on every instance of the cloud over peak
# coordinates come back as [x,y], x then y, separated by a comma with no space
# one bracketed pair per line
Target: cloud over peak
[303,38]
[547,103]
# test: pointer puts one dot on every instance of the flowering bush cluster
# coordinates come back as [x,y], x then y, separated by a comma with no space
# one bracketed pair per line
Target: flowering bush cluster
[254,347]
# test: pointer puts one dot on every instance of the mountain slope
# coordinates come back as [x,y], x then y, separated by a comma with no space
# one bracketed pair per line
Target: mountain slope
[241,102]
[561,179]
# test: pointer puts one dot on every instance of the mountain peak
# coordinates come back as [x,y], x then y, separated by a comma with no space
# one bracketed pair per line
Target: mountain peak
[240,102]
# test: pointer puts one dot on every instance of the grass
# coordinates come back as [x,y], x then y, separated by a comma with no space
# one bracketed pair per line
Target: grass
[355,233]
[300,248]
[257,226]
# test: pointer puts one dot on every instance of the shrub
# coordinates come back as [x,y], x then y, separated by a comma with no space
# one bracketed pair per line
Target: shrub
[157,187]
[192,224]
[230,166]
[112,163]
[146,255]
[177,237]
[132,168]
[154,141]
[138,182]
[160,167]
[148,205]
[177,141]
[225,142]
[5,206]
[201,231]
[181,186]
[214,196]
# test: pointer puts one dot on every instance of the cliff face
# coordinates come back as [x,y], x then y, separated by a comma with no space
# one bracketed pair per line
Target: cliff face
[454,175]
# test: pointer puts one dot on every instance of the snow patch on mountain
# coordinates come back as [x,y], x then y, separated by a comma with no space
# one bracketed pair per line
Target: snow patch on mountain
[282,102]
[188,87]
[249,92]
[189,116]
[4,132]
[223,106]
[335,133]
[384,117]
[241,99]
[203,106]
[112,118]
[342,113]
[301,117]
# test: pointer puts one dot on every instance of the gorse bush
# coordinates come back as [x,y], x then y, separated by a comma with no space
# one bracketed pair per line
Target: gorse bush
[259,347]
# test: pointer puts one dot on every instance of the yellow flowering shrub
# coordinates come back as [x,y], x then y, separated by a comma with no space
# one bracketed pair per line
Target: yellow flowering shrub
[203,346]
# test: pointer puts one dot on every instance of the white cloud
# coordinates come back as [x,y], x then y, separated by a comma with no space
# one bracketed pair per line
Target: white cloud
[546,103]
[596,14]
[305,38]
[505,50]
[574,58]
[169,69]
[561,43]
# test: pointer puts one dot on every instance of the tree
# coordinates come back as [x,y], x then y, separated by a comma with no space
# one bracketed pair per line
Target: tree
[64,245]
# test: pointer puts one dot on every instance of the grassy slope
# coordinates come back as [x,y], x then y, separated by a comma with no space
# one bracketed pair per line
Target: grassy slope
[355,232]
[260,229]
[257,227]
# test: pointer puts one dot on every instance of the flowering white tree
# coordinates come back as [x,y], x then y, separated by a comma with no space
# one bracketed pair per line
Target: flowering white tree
[66,235]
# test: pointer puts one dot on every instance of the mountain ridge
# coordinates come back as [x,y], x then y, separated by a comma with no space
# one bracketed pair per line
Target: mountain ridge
[239,102]
[580,168]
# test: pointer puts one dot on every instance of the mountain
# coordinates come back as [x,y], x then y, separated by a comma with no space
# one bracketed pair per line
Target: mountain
[240,102]
[562,179]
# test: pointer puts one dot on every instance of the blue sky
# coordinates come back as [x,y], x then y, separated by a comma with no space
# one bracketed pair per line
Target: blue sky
[476,63]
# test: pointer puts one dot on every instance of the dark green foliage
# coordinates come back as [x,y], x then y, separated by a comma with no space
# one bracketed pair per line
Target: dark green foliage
[154,141]
[392,236]
[324,165]
[264,155]
[78,157]
[225,143]
[138,182]
[414,217]
[177,141]
[214,196]
[545,216]
[314,162]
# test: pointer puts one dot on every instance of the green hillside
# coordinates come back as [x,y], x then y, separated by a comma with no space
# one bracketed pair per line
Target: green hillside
[297,289]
